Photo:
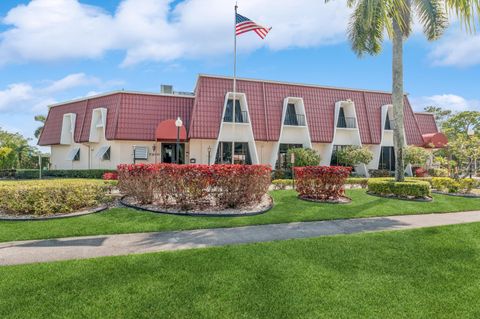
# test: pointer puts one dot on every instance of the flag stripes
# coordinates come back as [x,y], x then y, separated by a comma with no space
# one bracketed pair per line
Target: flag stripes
[243,25]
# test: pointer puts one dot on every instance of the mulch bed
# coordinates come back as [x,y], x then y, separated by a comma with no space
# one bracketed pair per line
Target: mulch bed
[265,205]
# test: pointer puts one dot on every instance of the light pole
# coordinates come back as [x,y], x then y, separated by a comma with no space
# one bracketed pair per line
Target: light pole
[178,124]
[209,152]
[470,134]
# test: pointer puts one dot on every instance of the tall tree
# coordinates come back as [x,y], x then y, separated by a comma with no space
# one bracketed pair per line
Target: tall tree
[41,119]
[368,23]
[461,123]
[15,152]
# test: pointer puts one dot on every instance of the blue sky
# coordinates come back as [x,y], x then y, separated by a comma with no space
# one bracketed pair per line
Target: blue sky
[55,50]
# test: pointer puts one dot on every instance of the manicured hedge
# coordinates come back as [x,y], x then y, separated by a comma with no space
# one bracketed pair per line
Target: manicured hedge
[74,173]
[450,185]
[321,182]
[195,186]
[407,189]
[48,197]
[7,173]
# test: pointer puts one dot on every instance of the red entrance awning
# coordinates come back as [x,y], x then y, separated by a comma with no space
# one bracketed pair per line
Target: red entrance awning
[435,140]
[167,131]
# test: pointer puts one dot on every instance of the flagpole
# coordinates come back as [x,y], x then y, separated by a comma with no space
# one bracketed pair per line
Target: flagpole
[234,62]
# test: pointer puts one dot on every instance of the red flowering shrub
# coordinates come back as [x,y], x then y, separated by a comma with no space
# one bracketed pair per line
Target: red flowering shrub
[138,181]
[195,186]
[321,182]
[238,185]
[113,176]
[421,172]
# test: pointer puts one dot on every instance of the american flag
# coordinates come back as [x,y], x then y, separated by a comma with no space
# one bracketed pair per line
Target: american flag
[244,24]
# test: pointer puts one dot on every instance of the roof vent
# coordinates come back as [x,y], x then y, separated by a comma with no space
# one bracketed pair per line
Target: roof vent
[166,89]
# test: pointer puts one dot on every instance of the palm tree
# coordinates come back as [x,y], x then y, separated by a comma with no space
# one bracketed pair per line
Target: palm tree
[368,23]
[41,119]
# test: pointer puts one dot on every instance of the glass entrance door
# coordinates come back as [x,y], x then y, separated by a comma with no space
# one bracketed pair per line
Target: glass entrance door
[169,151]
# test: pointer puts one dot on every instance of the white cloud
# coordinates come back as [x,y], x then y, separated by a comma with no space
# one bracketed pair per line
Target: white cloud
[14,94]
[447,101]
[457,48]
[148,30]
[20,102]
[71,81]
[27,98]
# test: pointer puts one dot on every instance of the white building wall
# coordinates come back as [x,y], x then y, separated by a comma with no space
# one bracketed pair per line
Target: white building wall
[121,152]
[324,150]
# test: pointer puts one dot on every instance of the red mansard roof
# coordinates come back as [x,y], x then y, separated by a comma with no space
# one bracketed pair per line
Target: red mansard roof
[130,116]
[426,122]
[265,103]
[135,116]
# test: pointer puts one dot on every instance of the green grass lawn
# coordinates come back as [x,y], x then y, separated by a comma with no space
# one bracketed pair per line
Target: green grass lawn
[287,209]
[425,273]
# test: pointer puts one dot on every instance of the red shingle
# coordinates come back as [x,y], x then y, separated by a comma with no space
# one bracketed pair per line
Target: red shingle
[426,123]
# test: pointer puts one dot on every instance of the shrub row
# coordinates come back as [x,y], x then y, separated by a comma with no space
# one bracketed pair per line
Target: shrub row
[407,189]
[7,173]
[48,197]
[195,186]
[450,185]
[438,172]
[321,182]
[73,173]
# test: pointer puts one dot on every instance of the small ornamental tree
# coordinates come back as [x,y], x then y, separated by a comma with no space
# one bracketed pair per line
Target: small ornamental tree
[415,155]
[304,157]
[354,155]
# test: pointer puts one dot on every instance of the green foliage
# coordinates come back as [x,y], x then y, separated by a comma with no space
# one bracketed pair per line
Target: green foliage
[282,183]
[15,152]
[460,123]
[463,147]
[450,185]
[41,119]
[86,173]
[438,172]
[407,189]
[416,155]
[304,157]
[51,196]
[354,155]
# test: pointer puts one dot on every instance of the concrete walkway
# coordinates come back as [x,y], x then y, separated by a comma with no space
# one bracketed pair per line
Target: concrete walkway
[23,252]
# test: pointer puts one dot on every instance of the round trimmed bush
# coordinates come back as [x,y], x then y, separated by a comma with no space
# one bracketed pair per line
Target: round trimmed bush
[407,189]
[49,197]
